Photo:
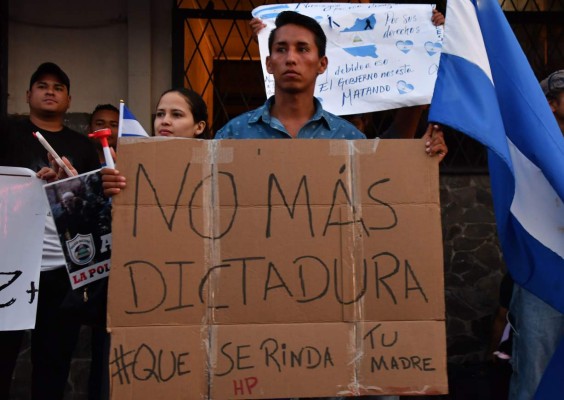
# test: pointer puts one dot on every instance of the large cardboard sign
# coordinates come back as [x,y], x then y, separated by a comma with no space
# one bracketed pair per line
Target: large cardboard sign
[381,56]
[23,213]
[275,269]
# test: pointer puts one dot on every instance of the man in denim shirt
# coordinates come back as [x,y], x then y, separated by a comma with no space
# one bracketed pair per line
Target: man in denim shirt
[297,56]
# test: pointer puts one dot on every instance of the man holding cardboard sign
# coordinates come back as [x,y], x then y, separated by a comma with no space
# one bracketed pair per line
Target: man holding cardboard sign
[297,48]
[297,56]
[254,339]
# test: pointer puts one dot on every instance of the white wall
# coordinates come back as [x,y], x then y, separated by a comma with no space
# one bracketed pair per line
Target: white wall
[111,50]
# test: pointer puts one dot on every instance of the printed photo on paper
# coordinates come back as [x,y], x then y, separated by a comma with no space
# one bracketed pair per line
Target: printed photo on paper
[82,216]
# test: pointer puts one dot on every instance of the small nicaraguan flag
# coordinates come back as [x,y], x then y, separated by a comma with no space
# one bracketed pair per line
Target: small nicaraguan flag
[128,124]
[486,89]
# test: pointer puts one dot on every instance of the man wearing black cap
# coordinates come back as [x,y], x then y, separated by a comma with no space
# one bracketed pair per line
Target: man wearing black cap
[49,99]
[56,331]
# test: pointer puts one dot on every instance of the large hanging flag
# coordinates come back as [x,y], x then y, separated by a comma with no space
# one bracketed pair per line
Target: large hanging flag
[128,124]
[486,89]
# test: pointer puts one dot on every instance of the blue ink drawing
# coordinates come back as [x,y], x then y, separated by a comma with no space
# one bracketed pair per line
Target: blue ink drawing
[404,87]
[368,50]
[362,24]
[404,45]
[433,68]
[433,48]
[332,22]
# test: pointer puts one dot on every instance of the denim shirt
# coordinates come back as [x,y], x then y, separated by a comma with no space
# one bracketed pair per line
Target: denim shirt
[259,124]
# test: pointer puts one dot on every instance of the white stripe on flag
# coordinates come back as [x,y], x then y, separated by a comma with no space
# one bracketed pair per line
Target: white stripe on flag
[132,127]
[536,204]
[463,24]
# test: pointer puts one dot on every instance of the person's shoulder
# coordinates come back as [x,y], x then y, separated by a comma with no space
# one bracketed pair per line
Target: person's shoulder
[17,141]
[236,123]
[348,130]
[18,123]
[18,129]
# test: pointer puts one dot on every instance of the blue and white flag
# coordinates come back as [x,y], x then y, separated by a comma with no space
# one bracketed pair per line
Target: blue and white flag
[486,89]
[128,124]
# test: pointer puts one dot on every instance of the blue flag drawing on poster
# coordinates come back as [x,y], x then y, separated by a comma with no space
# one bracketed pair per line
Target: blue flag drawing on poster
[128,124]
[486,89]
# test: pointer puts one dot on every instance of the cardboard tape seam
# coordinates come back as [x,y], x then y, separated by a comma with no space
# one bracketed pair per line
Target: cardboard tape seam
[340,147]
[210,203]
[355,214]
[212,153]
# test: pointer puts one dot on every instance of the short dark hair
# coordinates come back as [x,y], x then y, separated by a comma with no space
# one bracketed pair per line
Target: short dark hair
[49,68]
[197,106]
[103,107]
[292,17]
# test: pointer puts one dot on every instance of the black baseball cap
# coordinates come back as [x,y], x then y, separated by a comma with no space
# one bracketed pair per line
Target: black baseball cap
[553,83]
[51,69]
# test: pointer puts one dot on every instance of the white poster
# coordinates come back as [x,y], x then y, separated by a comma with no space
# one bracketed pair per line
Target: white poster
[23,209]
[381,56]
